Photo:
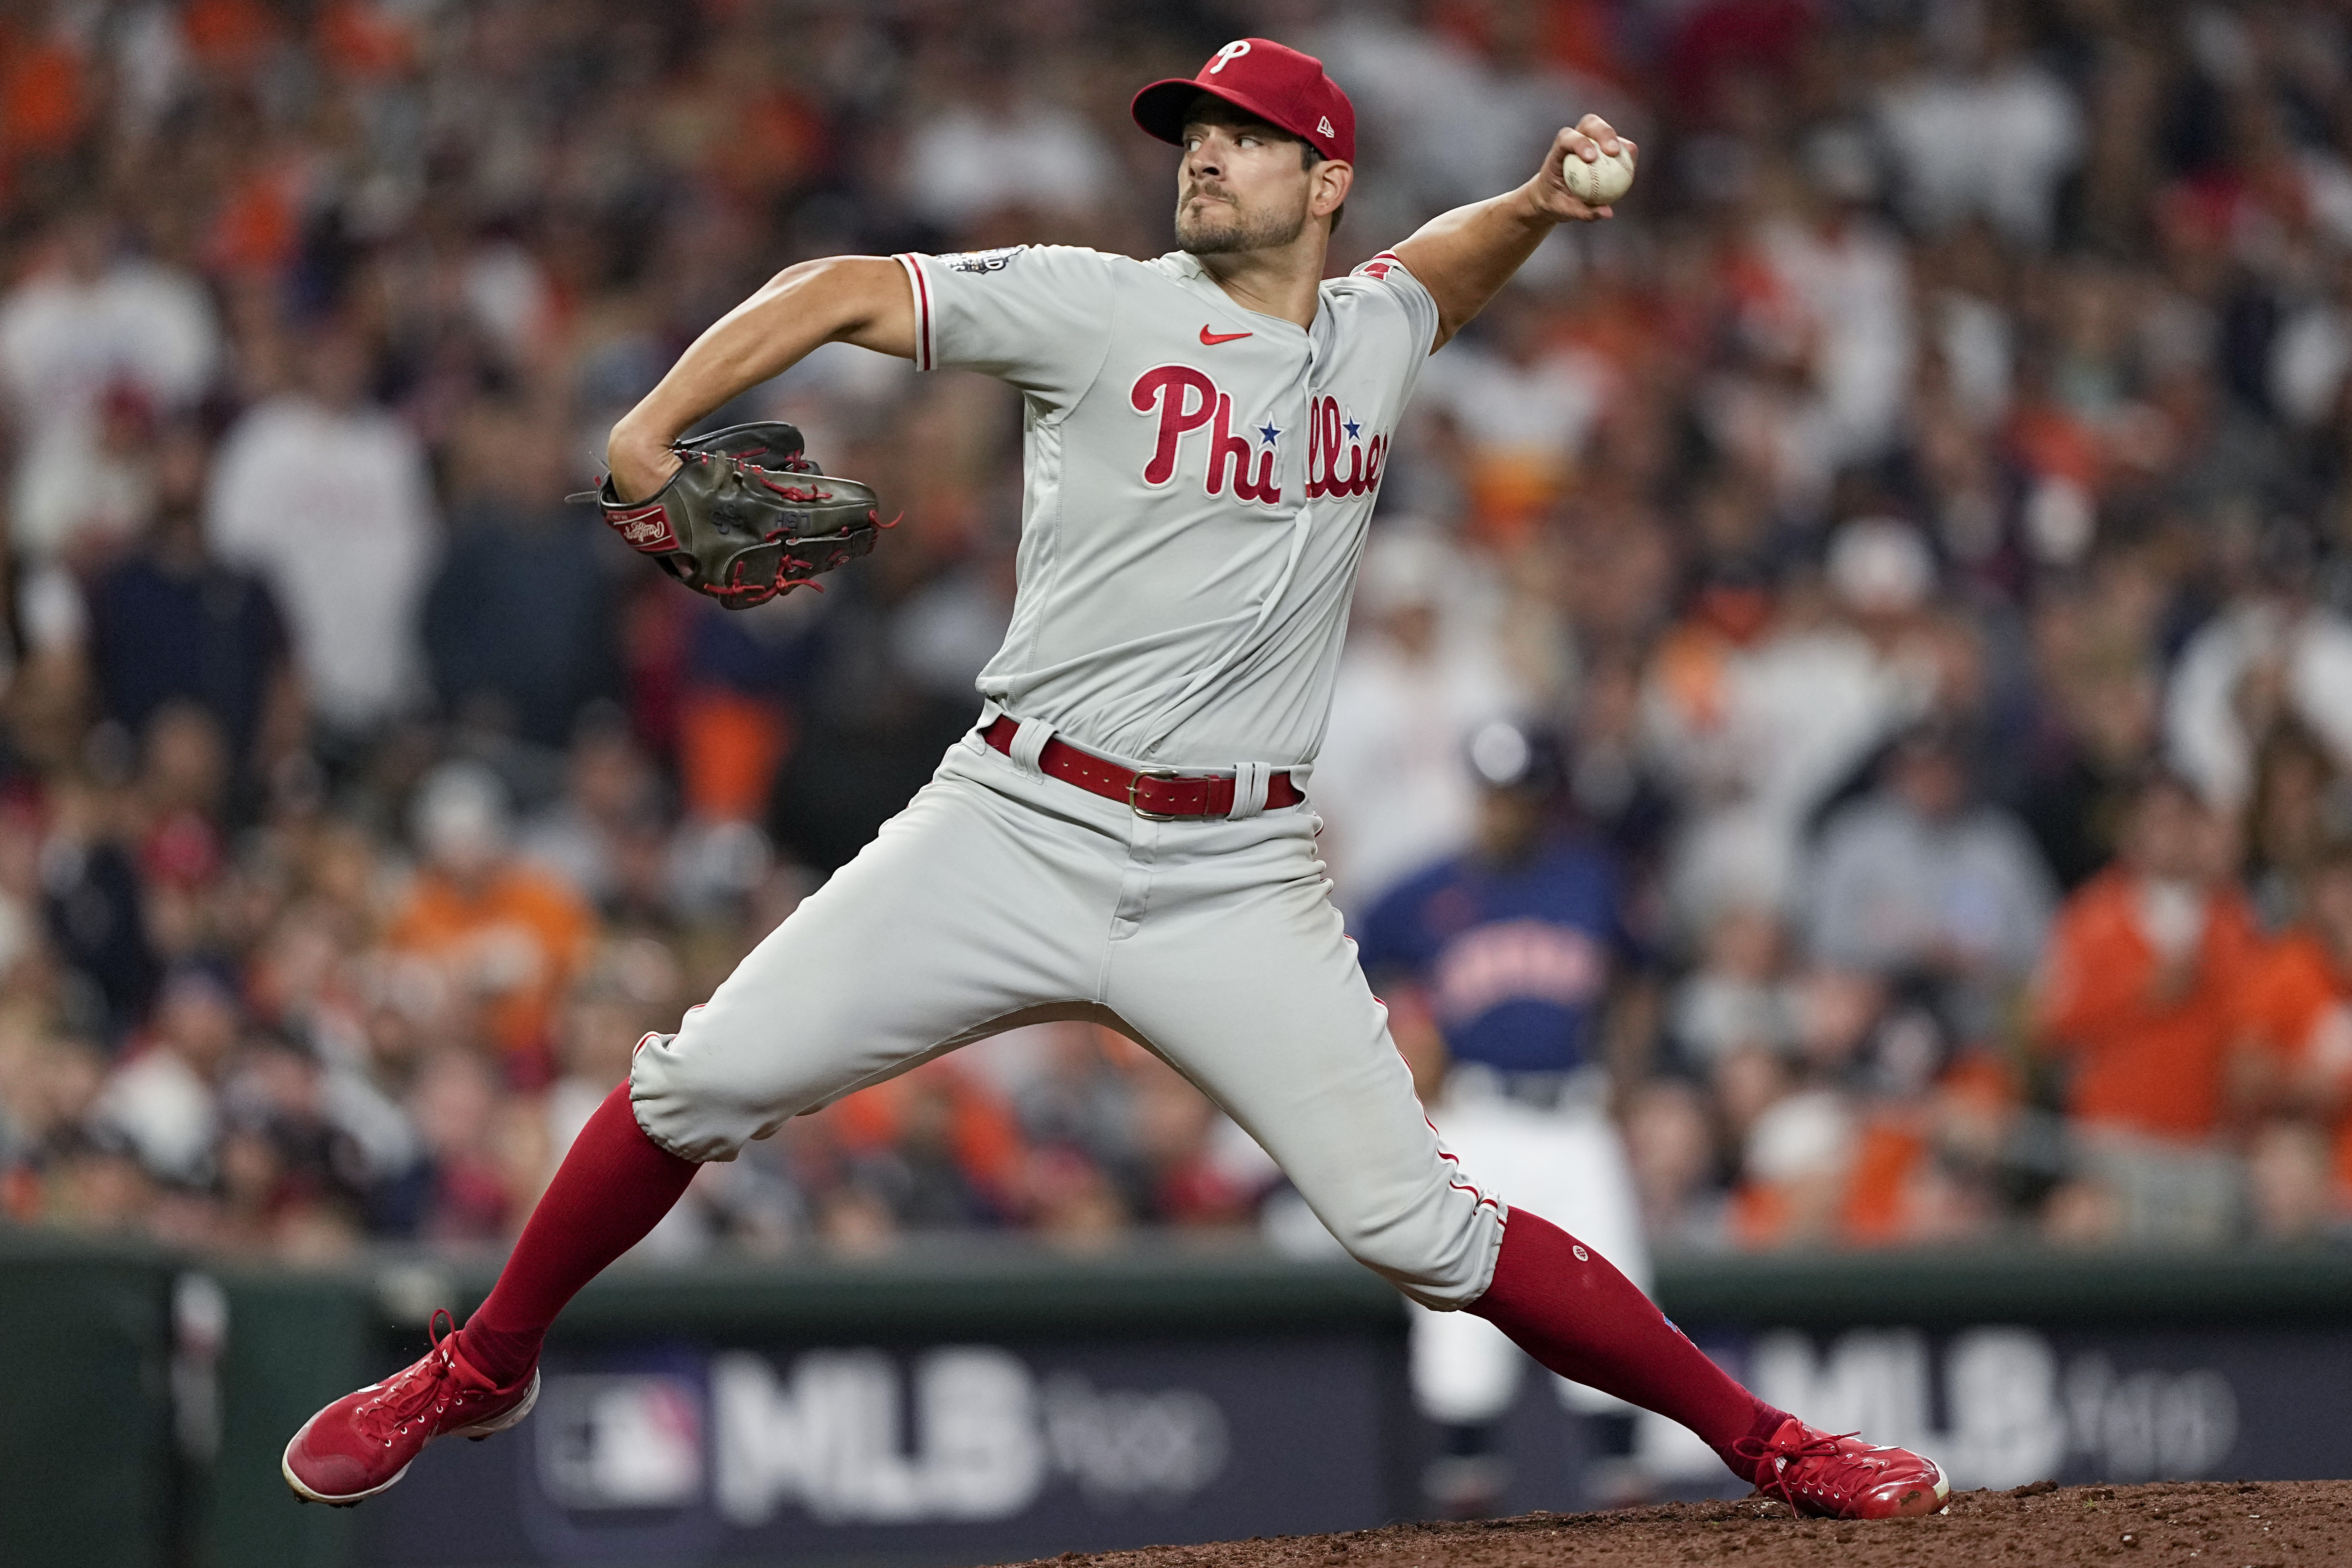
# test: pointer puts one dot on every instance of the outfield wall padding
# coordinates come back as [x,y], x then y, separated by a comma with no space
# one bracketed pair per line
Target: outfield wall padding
[1170,1391]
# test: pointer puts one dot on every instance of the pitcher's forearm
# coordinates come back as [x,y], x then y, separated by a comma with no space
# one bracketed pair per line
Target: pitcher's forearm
[862,300]
[1464,257]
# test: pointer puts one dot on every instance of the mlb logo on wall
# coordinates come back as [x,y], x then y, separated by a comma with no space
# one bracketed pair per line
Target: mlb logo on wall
[620,1442]
[816,1455]
[650,1461]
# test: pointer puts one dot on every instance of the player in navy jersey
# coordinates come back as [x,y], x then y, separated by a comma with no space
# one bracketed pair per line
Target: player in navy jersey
[1514,942]
[1513,951]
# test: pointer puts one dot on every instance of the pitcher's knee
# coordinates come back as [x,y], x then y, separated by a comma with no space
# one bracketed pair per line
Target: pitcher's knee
[688,1101]
[1439,1252]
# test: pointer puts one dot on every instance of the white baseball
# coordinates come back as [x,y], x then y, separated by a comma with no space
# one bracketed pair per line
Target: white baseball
[1599,183]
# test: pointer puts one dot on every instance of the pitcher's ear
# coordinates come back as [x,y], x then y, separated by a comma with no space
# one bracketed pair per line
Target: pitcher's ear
[1333,180]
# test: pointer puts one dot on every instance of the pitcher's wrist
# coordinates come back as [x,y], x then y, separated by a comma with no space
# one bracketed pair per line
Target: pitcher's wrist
[640,464]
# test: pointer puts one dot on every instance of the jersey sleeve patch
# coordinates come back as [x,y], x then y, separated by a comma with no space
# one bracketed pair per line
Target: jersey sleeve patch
[980,262]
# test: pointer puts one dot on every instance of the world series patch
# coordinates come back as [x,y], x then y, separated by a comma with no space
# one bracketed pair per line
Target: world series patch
[995,260]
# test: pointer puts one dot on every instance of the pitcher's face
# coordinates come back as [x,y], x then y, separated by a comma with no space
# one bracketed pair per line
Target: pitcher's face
[1240,187]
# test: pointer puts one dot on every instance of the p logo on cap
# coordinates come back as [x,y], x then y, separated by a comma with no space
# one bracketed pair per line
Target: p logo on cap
[1271,81]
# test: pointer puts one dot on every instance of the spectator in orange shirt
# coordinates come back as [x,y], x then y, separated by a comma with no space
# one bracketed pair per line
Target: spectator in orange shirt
[2292,1071]
[508,936]
[2140,998]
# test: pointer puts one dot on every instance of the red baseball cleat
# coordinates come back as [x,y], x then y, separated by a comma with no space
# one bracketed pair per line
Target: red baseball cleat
[363,1442]
[1842,1476]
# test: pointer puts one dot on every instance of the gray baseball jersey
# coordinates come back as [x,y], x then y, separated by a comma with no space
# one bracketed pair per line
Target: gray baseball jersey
[1199,481]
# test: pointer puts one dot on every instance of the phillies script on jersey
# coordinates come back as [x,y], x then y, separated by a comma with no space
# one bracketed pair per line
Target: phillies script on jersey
[1326,423]
[1185,400]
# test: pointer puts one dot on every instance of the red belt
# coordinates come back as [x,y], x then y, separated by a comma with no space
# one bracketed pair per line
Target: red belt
[1155,793]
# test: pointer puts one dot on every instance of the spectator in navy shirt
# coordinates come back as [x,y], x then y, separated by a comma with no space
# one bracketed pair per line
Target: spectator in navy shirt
[173,624]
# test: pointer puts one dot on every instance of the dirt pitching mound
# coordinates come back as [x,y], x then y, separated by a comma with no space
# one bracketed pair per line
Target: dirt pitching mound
[2239,1524]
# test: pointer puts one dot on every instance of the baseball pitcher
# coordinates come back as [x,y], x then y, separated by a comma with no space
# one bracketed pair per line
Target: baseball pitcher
[1124,834]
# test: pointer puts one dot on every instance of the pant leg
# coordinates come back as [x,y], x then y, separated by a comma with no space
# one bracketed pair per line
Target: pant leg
[1230,960]
[971,911]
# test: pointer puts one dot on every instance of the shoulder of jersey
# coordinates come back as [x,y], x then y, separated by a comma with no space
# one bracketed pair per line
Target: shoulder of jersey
[1170,266]
[1378,268]
[1367,275]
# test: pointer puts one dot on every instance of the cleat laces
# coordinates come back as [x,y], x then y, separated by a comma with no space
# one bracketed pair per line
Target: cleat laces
[1846,1472]
[416,1392]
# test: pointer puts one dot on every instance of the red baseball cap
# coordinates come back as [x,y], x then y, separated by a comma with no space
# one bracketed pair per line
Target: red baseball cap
[1279,85]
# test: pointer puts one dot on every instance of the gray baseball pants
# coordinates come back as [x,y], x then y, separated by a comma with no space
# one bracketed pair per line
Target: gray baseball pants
[1001,897]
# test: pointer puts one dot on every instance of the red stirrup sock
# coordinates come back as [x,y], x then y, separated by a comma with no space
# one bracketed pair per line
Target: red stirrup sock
[1570,1308]
[613,1187]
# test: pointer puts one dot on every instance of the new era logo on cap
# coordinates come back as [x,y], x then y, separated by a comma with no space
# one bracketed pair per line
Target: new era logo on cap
[1277,84]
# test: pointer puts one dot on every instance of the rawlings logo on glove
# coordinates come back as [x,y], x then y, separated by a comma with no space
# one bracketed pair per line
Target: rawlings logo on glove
[646,527]
[746,517]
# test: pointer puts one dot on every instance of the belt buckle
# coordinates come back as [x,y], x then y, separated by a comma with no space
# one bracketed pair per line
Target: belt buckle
[1160,775]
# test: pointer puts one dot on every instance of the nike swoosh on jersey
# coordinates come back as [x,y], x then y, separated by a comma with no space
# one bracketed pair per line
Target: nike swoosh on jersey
[1210,340]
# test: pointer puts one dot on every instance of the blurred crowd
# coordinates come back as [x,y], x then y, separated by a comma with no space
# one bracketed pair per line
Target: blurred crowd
[1853,674]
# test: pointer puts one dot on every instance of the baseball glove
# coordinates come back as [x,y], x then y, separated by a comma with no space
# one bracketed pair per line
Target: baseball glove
[746,517]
